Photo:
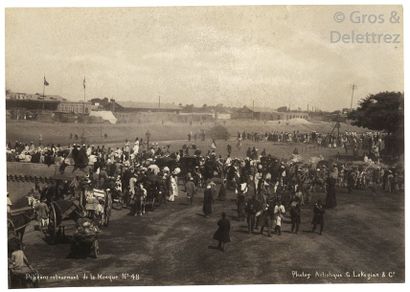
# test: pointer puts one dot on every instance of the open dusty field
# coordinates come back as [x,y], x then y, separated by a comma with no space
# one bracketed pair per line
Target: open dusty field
[363,237]
[60,132]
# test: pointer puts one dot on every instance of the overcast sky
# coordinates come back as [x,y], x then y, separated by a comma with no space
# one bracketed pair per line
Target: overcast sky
[231,55]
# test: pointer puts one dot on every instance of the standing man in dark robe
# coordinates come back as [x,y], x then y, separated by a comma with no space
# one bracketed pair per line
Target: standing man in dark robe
[331,192]
[82,158]
[190,189]
[125,181]
[295,214]
[251,209]
[222,233]
[208,200]
[318,216]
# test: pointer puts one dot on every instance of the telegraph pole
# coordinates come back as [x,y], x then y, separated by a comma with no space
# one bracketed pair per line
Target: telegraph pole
[159,101]
[351,99]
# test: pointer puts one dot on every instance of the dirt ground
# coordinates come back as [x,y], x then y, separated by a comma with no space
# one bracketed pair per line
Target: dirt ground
[363,241]
[27,131]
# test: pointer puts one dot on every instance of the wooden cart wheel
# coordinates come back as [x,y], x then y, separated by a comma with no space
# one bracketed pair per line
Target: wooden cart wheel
[52,224]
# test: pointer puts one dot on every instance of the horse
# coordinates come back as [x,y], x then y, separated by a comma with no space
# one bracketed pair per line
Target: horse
[17,222]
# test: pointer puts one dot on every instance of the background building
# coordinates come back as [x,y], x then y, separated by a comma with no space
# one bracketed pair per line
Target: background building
[267,114]
[256,113]
[76,107]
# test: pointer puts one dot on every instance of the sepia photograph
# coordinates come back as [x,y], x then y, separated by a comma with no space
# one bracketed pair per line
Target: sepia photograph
[204,145]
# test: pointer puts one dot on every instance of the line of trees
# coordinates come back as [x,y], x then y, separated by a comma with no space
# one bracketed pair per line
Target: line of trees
[383,111]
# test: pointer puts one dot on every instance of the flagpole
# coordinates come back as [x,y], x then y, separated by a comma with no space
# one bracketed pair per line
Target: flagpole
[44,89]
[44,85]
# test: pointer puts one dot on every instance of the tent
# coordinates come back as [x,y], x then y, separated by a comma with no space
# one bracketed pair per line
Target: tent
[105,115]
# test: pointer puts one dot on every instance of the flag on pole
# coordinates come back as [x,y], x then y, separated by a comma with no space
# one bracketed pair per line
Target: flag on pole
[45,82]
[84,82]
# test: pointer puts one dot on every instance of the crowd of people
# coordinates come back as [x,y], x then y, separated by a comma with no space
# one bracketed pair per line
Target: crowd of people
[267,189]
[371,142]
[122,169]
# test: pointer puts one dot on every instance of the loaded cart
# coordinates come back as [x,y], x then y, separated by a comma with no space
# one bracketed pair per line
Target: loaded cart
[98,205]
[63,214]
[85,241]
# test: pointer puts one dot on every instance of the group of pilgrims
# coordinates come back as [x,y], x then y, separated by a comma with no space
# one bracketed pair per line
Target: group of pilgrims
[373,142]
[267,189]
